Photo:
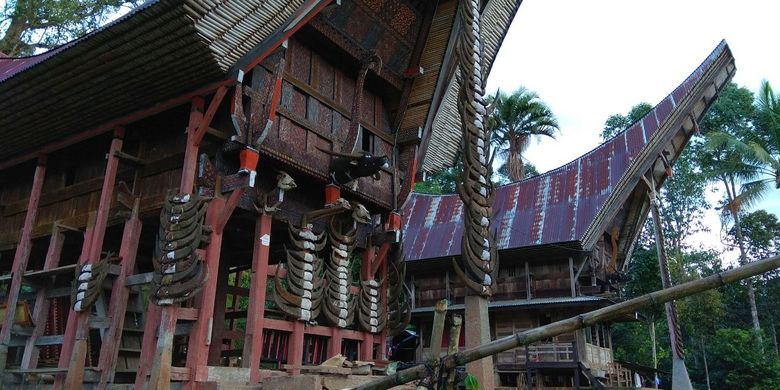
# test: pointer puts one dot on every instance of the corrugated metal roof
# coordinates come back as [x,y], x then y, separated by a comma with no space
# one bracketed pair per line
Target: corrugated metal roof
[524,303]
[563,205]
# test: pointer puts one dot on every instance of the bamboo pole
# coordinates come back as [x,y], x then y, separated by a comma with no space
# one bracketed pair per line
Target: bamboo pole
[579,322]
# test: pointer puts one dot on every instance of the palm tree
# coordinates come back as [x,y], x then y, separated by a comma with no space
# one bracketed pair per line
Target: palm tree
[516,119]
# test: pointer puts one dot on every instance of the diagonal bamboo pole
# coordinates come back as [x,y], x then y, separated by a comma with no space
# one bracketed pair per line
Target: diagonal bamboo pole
[579,322]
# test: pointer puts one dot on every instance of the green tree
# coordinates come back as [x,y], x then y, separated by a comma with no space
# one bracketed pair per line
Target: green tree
[30,25]
[737,363]
[515,120]
[618,122]
[731,115]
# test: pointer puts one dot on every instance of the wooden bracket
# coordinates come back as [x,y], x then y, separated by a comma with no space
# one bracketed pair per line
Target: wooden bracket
[227,211]
[667,165]
[129,159]
[381,257]
[205,122]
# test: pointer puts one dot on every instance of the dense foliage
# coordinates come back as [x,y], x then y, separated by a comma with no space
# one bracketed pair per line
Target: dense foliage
[734,327]
[30,25]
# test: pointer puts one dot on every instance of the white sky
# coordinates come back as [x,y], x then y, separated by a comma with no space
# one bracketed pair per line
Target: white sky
[591,59]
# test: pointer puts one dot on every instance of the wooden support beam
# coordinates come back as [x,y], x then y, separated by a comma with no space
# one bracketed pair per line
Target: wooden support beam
[152,320]
[41,309]
[220,303]
[437,331]
[21,257]
[367,273]
[295,348]
[75,376]
[70,327]
[253,340]
[383,304]
[189,167]
[109,348]
[205,120]
[200,337]
[572,281]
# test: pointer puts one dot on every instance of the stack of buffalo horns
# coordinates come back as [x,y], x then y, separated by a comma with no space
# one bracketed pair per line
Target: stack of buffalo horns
[89,281]
[479,258]
[340,303]
[303,296]
[179,273]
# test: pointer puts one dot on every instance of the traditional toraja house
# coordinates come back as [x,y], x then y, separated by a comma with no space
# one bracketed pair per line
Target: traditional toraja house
[563,239]
[207,184]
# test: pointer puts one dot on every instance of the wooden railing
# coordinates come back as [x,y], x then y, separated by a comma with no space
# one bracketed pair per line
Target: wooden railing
[597,357]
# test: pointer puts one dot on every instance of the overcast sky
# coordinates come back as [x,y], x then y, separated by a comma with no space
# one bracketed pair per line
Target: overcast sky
[591,59]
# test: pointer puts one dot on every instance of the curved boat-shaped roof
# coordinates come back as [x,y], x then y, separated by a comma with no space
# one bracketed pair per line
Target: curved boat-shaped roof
[573,203]
[169,49]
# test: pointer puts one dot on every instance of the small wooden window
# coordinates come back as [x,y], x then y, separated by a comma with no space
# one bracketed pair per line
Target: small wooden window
[368,141]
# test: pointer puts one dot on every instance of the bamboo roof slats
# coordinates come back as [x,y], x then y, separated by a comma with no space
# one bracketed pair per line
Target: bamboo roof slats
[160,50]
[445,130]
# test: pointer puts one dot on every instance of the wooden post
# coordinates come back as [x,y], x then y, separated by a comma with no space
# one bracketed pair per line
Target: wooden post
[190,164]
[253,339]
[571,278]
[148,344]
[383,304]
[680,378]
[41,309]
[220,306]
[367,345]
[295,348]
[21,257]
[527,282]
[75,377]
[200,335]
[119,296]
[70,327]
[437,331]
[477,320]
[164,318]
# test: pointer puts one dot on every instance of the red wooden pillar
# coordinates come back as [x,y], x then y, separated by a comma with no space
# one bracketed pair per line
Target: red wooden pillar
[70,327]
[41,309]
[75,376]
[21,257]
[383,304]
[253,340]
[148,344]
[336,338]
[295,347]
[200,335]
[160,322]
[119,296]
[220,306]
[367,345]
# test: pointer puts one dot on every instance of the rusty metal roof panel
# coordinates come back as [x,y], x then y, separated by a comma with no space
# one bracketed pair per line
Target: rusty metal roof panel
[562,205]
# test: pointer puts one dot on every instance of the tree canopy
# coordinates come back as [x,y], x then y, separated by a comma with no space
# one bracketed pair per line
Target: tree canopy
[27,26]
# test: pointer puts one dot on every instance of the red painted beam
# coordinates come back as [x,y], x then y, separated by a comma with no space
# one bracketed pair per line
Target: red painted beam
[108,126]
[253,339]
[21,257]
[41,310]
[117,306]
[190,164]
[75,376]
